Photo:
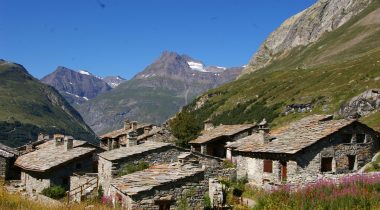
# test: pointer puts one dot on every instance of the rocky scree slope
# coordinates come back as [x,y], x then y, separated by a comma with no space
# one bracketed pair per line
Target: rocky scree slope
[155,94]
[114,81]
[76,87]
[304,28]
[350,67]
[28,107]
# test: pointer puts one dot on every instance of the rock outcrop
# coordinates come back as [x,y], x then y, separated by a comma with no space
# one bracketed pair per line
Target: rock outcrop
[361,105]
[305,28]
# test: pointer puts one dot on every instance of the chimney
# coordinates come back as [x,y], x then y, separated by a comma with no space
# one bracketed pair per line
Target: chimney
[264,131]
[68,143]
[58,138]
[132,138]
[147,129]
[134,125]
[127,124]
[40,137]
[208,125]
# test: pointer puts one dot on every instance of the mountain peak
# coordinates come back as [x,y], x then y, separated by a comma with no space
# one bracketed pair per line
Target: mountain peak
[76,87]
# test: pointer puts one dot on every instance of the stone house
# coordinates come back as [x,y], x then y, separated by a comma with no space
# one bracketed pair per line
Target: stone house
[8,156]
[160,187]
[131,134]
[213,140]
[53,162]
[153,153]
[304,151]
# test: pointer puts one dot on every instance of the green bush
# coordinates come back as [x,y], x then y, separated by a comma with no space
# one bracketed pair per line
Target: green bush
[131,167]
[228,164]
[55,192]
[207,202]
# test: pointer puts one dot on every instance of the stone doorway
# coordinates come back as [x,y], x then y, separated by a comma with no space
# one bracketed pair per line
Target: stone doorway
[163,204]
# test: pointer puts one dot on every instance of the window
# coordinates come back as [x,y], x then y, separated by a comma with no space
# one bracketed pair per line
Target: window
[65,181]
[360,138]
[268,166]
[351,162]
[347,138]
[78,166]
[326,164]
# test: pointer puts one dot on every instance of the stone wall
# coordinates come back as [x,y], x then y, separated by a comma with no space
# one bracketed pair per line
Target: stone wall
[4,165]
[187,193]
[7,169]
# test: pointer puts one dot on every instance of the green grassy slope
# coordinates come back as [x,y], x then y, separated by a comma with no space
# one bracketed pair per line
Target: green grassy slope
[328,73]
[28,107]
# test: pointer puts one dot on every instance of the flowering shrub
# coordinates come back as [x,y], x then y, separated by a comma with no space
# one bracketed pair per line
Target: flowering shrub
[106,200]
[350,192]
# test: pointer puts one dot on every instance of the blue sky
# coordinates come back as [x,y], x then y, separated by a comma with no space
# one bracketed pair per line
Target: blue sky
[122,37]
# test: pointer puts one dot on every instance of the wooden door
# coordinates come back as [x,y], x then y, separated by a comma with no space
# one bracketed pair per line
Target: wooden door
[284,171]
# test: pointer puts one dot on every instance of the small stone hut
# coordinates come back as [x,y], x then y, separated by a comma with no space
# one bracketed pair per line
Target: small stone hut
[153,153]
[214,139]
[312,148]
[54,162]
[160,187]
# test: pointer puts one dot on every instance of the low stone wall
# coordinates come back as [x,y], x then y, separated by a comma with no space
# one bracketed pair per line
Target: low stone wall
[48,201]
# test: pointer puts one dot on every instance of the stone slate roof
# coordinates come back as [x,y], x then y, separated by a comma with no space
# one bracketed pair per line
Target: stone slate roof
[221,130]
[148,179]
[150,133]
[246,143]
[7,152]
[294,137]
[120,132]
[51,156]
[51,143]
[124,152]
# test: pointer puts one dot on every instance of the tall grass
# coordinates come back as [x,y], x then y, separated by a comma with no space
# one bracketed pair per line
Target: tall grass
[351,192]
[17,202]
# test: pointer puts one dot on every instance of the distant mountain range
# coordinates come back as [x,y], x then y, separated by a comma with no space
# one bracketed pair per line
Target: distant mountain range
[156,93]
[80,86]
[29,107]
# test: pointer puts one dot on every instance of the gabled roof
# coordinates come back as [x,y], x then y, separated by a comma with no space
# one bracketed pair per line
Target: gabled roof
[50,156]
[124,152]
[8,152]
[51,143]
[221,130]
[117,133]
[294,137]
[160,175]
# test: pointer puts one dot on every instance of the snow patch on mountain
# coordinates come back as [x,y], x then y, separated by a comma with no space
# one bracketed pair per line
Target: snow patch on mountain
[197,66]
[84,72]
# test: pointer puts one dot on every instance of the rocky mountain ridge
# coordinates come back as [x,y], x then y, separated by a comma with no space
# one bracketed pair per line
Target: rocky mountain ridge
[76,87]
[305,28]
